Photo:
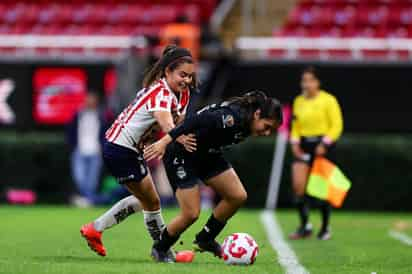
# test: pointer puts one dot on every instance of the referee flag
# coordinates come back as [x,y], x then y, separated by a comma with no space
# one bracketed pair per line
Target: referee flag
[327,182]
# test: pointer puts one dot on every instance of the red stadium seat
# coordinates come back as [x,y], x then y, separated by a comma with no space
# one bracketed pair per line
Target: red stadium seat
[375,54]
[103,17]
[339,53]
[309,53]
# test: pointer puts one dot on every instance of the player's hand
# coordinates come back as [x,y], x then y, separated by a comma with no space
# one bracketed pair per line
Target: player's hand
[155,150]
[188,141]
[320,150]
[297,151]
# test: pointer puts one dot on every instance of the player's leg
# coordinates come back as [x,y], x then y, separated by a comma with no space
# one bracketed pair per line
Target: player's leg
[130,169]
[189,203]
[117,213]
[300,172]
[146,193]
[181,172]
[229,187]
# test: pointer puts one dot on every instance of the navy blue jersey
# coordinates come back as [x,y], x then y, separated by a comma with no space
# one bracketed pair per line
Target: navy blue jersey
[215,127]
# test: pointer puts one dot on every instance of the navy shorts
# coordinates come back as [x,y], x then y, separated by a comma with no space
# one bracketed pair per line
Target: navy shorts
[309,144]
[124,164]
[185,169]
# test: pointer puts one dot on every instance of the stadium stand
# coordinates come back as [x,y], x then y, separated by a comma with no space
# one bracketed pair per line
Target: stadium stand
[337,20]
[96,18]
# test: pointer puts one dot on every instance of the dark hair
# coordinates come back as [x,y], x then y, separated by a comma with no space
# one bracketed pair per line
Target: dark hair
[270,108]
[312,70]
[172,57]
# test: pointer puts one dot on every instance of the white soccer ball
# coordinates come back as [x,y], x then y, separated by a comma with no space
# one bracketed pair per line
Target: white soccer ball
[239,249]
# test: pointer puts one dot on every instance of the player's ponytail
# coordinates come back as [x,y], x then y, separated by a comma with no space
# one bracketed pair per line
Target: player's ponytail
[172,57]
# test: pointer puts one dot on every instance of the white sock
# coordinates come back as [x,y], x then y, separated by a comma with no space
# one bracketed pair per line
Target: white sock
[117,213]
[154,223]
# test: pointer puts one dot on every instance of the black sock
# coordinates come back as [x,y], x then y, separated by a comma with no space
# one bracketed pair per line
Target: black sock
[303,208]
[212,228]
[166,241]
[325,209]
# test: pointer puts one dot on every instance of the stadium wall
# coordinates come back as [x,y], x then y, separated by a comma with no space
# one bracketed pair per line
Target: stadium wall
[375,96]
[40,161]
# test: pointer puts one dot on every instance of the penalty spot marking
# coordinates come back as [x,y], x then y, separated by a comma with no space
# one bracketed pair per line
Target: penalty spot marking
[286,256]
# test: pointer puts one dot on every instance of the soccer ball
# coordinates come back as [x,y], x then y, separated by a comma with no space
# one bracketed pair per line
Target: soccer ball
[239,249]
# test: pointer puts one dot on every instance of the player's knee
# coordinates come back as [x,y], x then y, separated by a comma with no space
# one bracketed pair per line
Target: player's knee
[239,197]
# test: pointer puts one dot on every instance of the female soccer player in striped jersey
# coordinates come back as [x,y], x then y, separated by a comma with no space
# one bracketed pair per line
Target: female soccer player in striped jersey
[165,95]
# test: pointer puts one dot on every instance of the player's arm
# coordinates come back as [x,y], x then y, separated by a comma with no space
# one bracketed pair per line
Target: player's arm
[205,119]
[180,119]
[165,120]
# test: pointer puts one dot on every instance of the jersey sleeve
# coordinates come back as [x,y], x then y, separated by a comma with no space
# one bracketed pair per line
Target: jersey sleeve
[334,114]
[206,119]
[295,132]
[184,102]
[160,101]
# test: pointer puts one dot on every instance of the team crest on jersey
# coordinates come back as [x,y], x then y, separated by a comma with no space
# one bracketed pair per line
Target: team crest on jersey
[181,172]
[228,121]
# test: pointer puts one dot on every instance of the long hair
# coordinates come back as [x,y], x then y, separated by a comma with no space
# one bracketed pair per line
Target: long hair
[172,57]
[270,108]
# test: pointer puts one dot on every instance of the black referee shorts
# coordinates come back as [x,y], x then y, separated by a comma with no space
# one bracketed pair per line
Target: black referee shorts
[309,144]
[187,169]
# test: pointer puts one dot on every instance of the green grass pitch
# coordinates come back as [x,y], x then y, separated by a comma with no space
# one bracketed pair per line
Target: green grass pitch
[47,240]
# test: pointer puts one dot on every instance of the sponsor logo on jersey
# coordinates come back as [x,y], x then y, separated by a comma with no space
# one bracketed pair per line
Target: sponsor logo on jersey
[228,120]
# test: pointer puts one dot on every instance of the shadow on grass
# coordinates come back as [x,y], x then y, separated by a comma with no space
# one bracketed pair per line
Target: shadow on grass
[100,260]
[81,260]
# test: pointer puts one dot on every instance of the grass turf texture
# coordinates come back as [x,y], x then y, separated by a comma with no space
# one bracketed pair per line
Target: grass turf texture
[47,240]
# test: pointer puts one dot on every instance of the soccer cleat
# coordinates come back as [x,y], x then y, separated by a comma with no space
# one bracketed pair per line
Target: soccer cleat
[302,232]
[209,246]
[324,235]
[162,256]
[93,238]
[172,254]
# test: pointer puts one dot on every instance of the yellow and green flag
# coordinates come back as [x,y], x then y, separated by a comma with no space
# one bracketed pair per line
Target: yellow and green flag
[327,182]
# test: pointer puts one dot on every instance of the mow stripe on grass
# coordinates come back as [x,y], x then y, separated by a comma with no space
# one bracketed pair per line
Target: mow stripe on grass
[286,256]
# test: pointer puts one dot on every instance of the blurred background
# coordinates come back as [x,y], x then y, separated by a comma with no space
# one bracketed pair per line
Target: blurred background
[59,58]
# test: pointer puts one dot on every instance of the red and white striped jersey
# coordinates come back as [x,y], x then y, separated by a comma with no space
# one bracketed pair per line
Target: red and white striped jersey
[136,118]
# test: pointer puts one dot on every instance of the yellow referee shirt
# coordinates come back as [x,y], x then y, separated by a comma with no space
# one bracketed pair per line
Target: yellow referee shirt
[318,116]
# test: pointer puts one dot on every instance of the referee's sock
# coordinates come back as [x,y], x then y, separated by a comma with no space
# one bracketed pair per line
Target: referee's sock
[303,208]
[325,210]
[212,228]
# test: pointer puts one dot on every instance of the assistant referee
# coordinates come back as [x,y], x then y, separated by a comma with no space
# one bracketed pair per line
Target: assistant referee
[316,127]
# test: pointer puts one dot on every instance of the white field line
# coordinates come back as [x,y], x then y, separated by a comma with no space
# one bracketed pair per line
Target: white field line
[286,256]
[402,237]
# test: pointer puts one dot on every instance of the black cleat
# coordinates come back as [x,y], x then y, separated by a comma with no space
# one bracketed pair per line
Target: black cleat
[162,256]
[324,235]
[302,232]
[210,246]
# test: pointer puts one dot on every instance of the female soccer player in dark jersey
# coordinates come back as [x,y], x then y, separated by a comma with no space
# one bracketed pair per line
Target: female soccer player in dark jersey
[166,93]
[316,127]
[215,127]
